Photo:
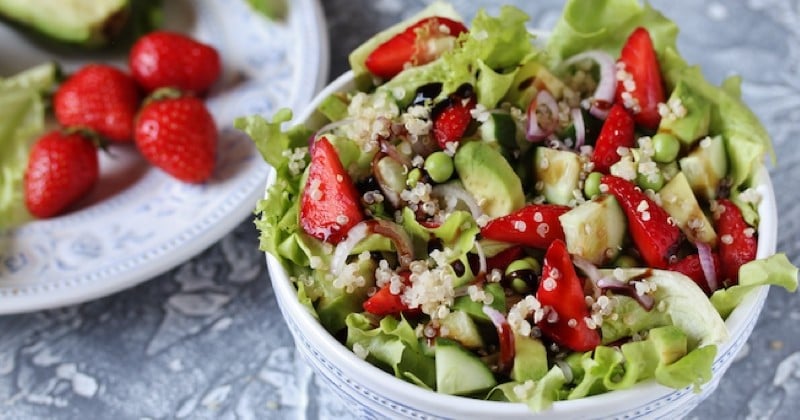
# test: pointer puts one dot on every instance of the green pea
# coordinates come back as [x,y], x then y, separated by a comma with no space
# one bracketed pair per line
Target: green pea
[626,261]
[527,263]
[519,285]
[439,166]
[650,183]
[666,147]
[413,177]
[591,186]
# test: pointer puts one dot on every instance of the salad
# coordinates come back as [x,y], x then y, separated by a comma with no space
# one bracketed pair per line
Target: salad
[488,215]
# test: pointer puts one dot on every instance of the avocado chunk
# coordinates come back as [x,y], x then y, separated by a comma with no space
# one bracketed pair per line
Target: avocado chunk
[530,359]
[532,77]
[458,326]
[487,175]
[558,173]
[705,167]
[459,372]
[500,129]
[679,201]
[83,22]
[595,229]
[669,342]
[694,124]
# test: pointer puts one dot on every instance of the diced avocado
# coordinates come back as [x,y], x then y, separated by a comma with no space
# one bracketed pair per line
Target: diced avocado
[333,107]
[459,372]
[392,173]
[530,359]
[475,309]
[501,129]
[559,172]
[41,78]
[670,343]
[487,175]
[679,201]
[531,77]
[83,22]
[705,167]
[459,326]
[336,303]
[692,126]
[595,229]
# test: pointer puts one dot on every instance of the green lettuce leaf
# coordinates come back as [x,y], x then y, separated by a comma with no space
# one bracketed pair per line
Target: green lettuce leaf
[775,270]
[537,395]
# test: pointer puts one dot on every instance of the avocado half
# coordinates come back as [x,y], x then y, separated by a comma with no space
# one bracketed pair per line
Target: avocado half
[89,23]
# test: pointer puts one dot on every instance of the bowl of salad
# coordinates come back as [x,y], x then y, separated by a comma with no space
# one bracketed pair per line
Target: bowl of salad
[475,222]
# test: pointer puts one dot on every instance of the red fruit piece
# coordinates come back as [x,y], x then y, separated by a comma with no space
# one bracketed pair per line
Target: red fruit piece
[618,131]
[418,44]
[100,98]
[738,242]
[645,87]
[62,168]
[690,267]
[562,290]
[504,258]
[656,237]
[168,59]
[384,302]
[452,117]
[179,136]
[329,205]
[535,225]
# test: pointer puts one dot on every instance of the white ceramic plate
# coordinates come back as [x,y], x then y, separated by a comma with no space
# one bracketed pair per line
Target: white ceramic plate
[139,222]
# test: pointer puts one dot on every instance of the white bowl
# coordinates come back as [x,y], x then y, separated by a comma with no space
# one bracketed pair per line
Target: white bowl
[372,393]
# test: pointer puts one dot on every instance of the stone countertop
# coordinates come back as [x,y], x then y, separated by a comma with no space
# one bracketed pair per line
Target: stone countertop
[206,339]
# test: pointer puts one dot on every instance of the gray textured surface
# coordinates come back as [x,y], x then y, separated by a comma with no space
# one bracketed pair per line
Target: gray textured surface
[206,340]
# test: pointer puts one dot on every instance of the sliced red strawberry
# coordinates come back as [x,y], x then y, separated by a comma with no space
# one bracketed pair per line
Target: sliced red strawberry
[656,237]
[618,131]
[690,267]
[502,259]
[738,242]
[329,205]
[644,90]
[535,225]
[562,290]
[418,44]
[383,303]
[452,117]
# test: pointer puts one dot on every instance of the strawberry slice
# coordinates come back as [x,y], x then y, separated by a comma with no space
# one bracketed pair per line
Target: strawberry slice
[690,267]
[452,117]
[535,225]
[329,205]
[644,90]
[504,258]
[384,302]
[618,131]
[418,44]
[738,241]
[562,290]
[656,237]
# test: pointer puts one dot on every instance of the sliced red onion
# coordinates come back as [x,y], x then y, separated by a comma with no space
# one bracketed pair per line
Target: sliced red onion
[591,271]
[603,95]
[625,289]
[707,264]
[395,154]
[580,127]
[505,336]
[458,192]
[482,267]
[355,235]
[534,131]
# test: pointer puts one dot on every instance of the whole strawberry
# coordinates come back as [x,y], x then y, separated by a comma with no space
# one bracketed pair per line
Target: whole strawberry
[100,98]
[62,168]
[178,135]
[168,59]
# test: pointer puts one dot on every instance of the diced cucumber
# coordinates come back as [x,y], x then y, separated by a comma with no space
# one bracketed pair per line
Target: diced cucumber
[679,201]
[595,229]
[557,172]
[334,107]
[475,309]
[705,167]
[459,326]
[459,372]
[530,359]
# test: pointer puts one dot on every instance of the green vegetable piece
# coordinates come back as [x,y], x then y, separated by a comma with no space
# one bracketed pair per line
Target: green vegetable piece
[595,229]
[626,261]
[654,181]
[459,372]
[705,167]
[591,185]
[491,86]
[272,9]
[527,263]
[392,173]
[775,270]
[413,177]
[679,201]
[333,107]
[692,369]
[336,304]
[501,129]
[475,309]
[459,326]
[439,166]
[694,124]
[666,148]
[487,175]
[530,359]
[529,80]
[558,173]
